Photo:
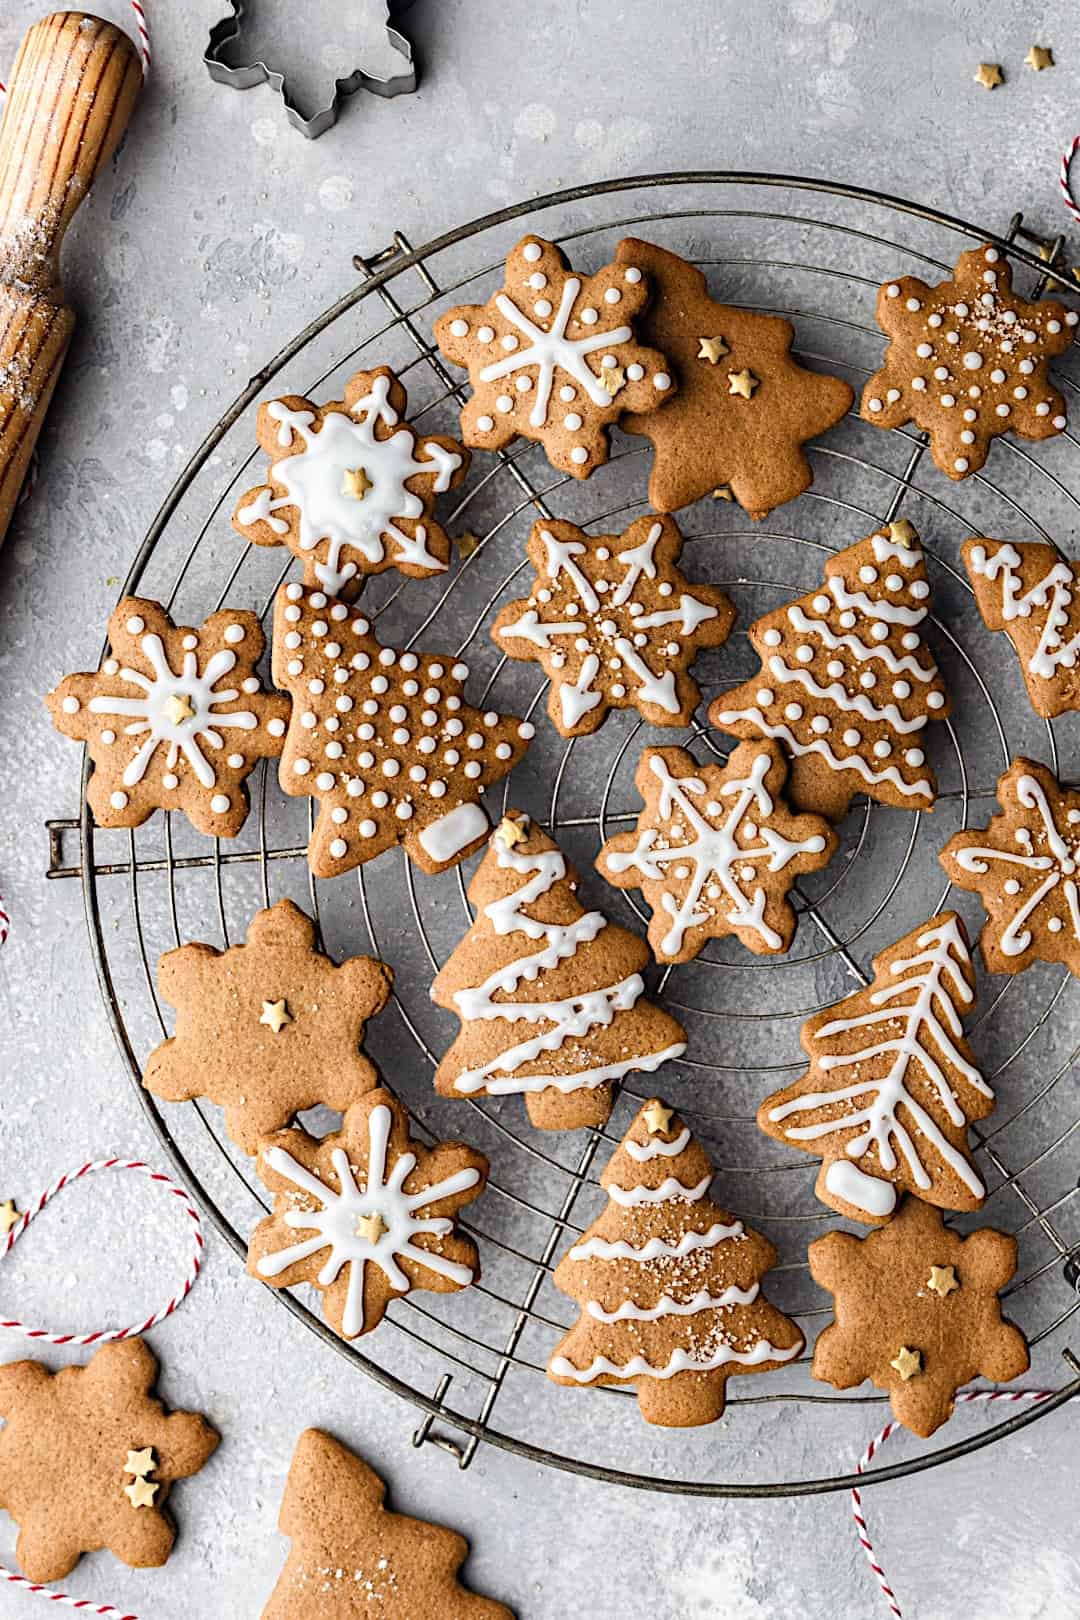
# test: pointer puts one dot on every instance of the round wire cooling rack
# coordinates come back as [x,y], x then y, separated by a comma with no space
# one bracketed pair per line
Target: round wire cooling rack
[474,1363]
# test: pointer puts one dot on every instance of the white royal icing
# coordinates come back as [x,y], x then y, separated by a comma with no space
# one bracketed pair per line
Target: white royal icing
[845,1180]
[712,855]
[722,1355]
[314,481]
[444,839]
[931,1028]
[150,712]
[572,1017]
[656,1147]
[655,1248]
[627,1311]
[670,1190]
[1054,592]
[361,1194]
[1060,867]
[550,349]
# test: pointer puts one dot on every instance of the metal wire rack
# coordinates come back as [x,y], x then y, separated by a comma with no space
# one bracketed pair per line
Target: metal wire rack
[474,1364]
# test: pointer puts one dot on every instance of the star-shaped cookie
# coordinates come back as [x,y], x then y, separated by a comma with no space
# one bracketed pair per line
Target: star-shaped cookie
[265,1068]
[967,360]
[740,420]
[174,719]
[917,1340]
[65,1455]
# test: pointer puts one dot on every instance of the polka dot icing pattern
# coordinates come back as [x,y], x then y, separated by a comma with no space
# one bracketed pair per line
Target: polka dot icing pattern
[967,360]
[174,719]
[383,739]
[530,357]
[614,623]
[351,485]
[1025,867]
[847,682]
[715,851]
[1030,591]
[365,1214]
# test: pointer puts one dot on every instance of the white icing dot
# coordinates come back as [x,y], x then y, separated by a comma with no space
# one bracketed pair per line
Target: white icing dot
[579,454]
[338,847]
[294,592]
[542,307]
[235,633]
[459,328]
[634,371]
[485,423]
[941,372]
[70,705]
[934,319]
[118,800]
[1020,393]
[484,334]
[893,582]
[522,383]
[509,342]
[867,574]
[566,393]
[368,829]
[852,739]
[538,280]
[919,384]
[997,375]
[219,804]
[763,697]
[834,668]
[875,405]
[772,638]
[504,403]
[948,400]
[935,700]
[1042,408]
[301,767]
[661,382]
[882,749]
[1059,422]
[915,756]
[108,737]
[805,655]
[924,350]
[170,781]
[589,316]
[437,789]
[819,724]
[276,727]
[473,769]
[913,304]
[967,437]
[973,359]
[821,604]
[572,421]
[612,296]
[909,641]
[880,632]
[235,762]
[892,290]
[961,464]
[970,415]
[1002,410]
[532,251]
[793,711]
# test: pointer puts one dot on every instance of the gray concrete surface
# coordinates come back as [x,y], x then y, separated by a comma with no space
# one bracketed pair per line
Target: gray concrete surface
[216,234]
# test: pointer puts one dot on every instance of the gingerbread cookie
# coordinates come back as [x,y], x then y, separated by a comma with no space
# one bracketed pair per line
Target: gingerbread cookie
[892,1083]
[175,718]
[967,359]
[669,1283]
[1023,867]
[552,356]
[365,1214]
[87,1459]
[614,623]
[550,996]
[269,1028]
[1033,594]
[917,1312]
[847,682]
[351,1556]
[715,850]
[383,740]
[352,486]
[744,408]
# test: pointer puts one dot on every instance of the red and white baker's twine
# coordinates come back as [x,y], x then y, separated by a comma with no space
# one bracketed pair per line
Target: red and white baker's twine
[875,1445]
[1063,179]
[142,28]
[5,922]
[62,1600]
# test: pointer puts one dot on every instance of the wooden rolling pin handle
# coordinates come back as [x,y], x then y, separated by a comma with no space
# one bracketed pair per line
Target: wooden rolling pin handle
[72,92]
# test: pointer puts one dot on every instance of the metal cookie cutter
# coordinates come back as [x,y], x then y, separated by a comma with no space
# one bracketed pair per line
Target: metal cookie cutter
[245,75]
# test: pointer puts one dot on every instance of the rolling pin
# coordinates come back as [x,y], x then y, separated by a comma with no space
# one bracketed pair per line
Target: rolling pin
[72,92]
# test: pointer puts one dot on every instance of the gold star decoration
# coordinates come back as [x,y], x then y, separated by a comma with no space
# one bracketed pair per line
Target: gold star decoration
[903,533]
[141,1492]
[510,832]
[275,1015]
[658,1118]
[712,349]
[907,1362]
[1039,57]
[943,1280]
[723,492]
[356,483]
[467,543]
[742,383]
[612,378]
[989,75]
[141,1462]
[370,1227]
[179,708]
[9,1216]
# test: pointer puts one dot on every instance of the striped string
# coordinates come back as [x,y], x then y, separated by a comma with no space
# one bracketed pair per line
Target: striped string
[1063,179]
[142,28]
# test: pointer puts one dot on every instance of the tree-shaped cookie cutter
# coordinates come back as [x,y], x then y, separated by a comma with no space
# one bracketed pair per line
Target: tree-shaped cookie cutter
[246,75]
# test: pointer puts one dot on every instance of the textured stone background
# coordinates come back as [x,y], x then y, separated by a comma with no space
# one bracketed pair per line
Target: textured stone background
[216,235]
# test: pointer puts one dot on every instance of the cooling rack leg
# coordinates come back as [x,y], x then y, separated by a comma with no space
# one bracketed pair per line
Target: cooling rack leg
[422,1434]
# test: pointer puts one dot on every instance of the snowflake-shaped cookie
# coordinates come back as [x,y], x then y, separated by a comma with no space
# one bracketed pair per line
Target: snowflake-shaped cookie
[365,1214]
[967,360]
[1024,867]
[614,623]
[352,485]
[716,850]
[174,719]
[87,1459]
[917,1312]
[552,356]
[383,739]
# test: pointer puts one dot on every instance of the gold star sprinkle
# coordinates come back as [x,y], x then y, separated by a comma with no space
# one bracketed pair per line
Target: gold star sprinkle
[612,378]
[467,543]
[140,1462]
[141,1492]
[989,75]
[712,349]
[510,832]
[742,383]
[1075,272]
[907,1362]
[275,1015]
[356,483]
[658,1118]
[178,708]
[943,1280]
[9,1216]
[370,1227]
[903,533]
[1039,57]
[723,492]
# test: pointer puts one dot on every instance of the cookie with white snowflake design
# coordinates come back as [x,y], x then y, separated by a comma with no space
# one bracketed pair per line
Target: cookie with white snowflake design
[614,623]
[365,1214]
[917,1312]
[175,718]
[553,356]
[1032,592]
[351,485]
[1024,867]
[968,360]
[716,850]
[384,740]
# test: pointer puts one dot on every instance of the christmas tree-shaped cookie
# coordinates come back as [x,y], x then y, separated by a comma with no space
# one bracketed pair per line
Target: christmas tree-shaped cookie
[892,1084]
[847,682]
[352,1557]
[550,996]
[669,1283]
[1032,593]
